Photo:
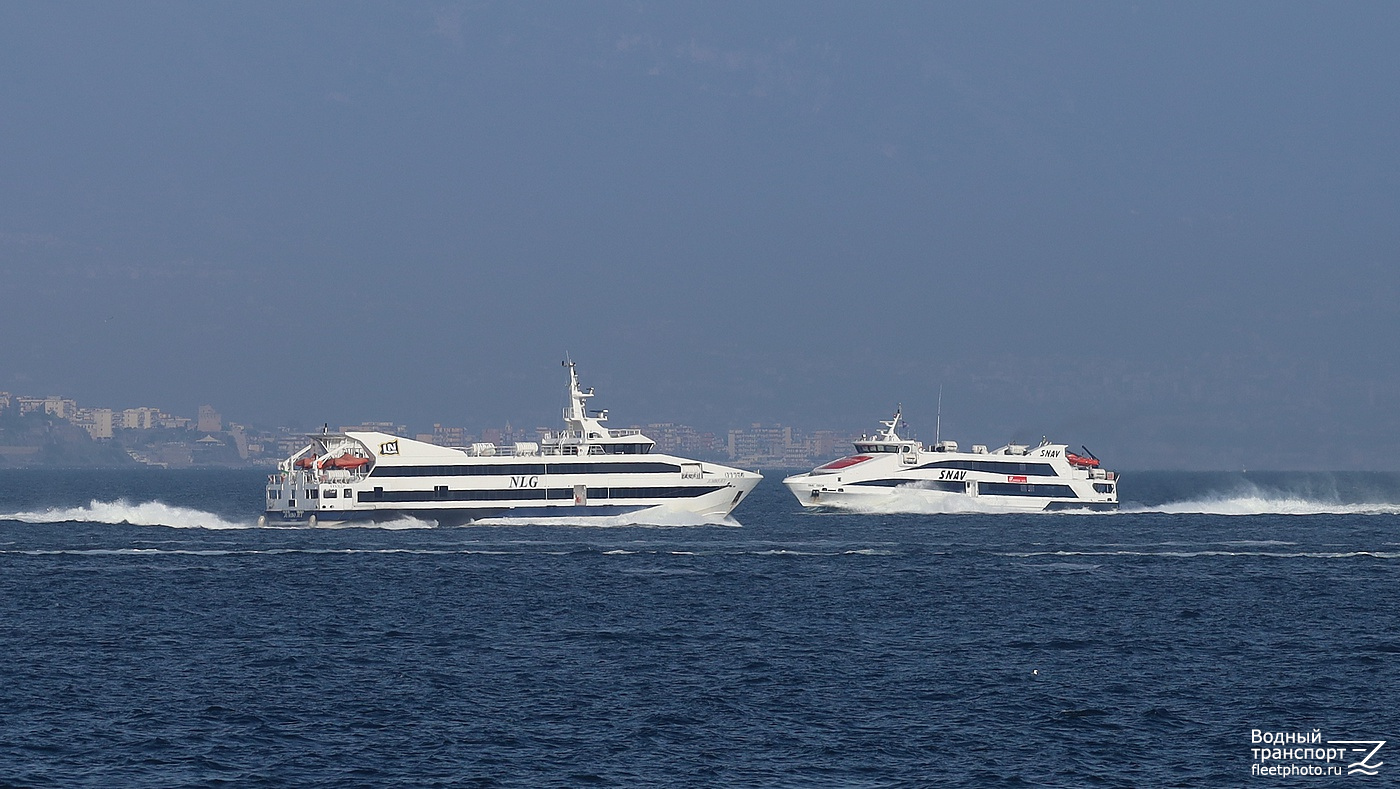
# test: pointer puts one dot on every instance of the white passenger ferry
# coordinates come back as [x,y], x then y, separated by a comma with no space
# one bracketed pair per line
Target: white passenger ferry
[584,470]
[1012,478]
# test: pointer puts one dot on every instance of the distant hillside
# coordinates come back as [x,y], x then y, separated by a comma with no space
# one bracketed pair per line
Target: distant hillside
[38,439]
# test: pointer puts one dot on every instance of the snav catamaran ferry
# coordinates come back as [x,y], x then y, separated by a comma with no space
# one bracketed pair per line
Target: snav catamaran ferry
[1014,477]
[584,470]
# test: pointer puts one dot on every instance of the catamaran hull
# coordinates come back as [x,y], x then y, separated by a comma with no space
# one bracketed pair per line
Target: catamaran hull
[716,501]
[864,498]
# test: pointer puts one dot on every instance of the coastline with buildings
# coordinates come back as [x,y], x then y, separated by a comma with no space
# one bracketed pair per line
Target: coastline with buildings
[56,431]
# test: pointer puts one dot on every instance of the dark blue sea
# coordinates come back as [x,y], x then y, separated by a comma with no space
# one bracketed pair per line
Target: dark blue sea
[150,636]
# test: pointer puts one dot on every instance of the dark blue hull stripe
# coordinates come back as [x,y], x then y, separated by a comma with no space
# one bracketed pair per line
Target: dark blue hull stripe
[914,484]
[446,516]
[535,494]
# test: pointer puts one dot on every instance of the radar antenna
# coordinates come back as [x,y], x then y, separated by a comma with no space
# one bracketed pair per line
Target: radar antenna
[576,415]
[890,425]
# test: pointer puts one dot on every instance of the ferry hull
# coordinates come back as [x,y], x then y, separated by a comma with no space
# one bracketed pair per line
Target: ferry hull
[816,495]
[891,474]
[714,500]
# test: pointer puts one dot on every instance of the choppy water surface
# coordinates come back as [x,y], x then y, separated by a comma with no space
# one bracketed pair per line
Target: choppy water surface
[150,636]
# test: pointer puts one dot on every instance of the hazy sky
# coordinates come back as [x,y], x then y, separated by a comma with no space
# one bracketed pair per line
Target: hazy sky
[1166,230]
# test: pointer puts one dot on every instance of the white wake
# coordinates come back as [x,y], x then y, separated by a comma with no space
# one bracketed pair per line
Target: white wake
[654,518]
[913,501]
[156,513]
[325,521]
[148,513]
[1261,503]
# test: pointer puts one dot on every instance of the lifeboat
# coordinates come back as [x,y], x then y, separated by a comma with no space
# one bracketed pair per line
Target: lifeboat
[1082,462]
[307,462]
[346,462]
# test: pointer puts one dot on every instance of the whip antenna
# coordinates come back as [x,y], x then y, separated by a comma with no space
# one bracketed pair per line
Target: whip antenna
[938,417]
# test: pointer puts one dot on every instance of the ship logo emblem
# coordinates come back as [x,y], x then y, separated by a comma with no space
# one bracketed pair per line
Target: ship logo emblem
[389,448]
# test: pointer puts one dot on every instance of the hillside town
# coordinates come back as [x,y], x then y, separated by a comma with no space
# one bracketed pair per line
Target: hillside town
[56,431]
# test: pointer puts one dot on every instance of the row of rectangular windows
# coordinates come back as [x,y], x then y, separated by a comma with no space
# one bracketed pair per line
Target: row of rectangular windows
[311,493]
[996,467]
[1015,489]
[523,469]
[988,488]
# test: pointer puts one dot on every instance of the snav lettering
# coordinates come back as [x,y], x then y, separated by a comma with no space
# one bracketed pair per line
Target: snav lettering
[951,474]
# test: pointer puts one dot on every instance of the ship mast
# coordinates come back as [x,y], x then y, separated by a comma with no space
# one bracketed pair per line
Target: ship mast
[938,419]
[890,425]
[576,415]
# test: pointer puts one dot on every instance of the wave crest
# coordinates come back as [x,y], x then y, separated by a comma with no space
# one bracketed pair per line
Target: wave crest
[147,513]
[1263,504]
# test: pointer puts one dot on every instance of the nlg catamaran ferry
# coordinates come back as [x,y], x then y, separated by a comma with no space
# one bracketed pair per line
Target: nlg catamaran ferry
[584,470]
[1013,477]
